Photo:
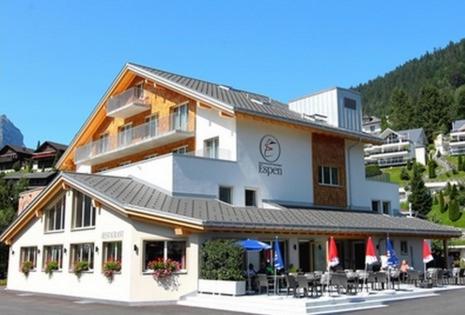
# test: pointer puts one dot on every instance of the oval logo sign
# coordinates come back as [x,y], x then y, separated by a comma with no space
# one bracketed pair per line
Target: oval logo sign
[270,149]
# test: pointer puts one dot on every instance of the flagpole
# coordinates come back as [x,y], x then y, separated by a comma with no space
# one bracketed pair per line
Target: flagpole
[327,266]
[274,265]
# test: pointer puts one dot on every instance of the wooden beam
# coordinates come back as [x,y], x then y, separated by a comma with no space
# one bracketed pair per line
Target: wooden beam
[225,115]
[180,231]
[204,106]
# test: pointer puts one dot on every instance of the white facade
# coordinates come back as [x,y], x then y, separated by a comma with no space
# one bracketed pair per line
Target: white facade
[338,107]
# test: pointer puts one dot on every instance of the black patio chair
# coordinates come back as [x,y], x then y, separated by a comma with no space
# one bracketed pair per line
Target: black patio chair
[413,277]
[395,279]
[302,286]
[340,280]
[381,280]
[291,285]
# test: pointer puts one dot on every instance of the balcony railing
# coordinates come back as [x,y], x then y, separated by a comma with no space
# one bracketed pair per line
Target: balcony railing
[128,103]
[158,131]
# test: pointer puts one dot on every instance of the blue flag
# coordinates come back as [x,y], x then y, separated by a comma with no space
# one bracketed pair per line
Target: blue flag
[393,260]
[278,259]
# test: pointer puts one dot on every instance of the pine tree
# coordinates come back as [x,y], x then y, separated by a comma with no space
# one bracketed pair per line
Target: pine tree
[442,207]
[460,163]
[454,210]
[420,198]
[409,165]
[432,109]
[402,111]
[460,102]
[404,174]
[431,169]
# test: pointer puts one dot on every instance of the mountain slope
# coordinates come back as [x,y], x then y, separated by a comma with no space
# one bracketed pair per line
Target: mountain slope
[443,68]
[9,133]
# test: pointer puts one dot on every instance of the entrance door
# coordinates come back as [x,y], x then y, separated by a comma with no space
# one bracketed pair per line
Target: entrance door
[306,256]
[359,254]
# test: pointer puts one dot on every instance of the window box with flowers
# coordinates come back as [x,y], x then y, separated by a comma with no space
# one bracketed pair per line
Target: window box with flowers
[163,268]
[110,267]
[51,266]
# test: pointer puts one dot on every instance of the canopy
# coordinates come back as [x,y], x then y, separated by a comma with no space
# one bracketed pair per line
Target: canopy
[253,245]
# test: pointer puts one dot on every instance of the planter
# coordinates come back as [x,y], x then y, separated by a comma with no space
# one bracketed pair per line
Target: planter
[222,287]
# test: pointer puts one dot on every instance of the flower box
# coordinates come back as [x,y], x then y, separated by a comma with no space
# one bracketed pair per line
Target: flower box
[222,287]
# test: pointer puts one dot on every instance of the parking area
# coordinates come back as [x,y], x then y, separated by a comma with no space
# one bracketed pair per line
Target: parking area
[13,303]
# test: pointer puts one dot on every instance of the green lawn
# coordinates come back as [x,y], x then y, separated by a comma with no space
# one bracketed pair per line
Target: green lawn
[443,218]
[394,175]
[452,160]
[3,282]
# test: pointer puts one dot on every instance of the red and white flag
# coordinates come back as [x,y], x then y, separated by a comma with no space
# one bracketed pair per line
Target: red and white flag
[370,255]
[427,257]
[333,259]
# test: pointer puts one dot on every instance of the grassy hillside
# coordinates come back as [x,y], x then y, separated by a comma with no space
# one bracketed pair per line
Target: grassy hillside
[436,216]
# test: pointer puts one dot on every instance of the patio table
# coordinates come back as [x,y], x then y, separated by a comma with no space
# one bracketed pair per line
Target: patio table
[279,281]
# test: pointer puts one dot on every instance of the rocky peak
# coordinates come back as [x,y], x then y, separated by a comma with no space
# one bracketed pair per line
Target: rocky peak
[9,133]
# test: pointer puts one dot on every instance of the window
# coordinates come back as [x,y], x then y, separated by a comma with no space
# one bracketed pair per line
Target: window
[174,250]
[82,253]
[139,91]
[375,205]
[152,125]
[250,198]
[53,253]
[29,254]
[180,150]
[125,135]
[103,143]
[112,251]
[403,248]
[225,194]
[179,118]
[211,147]
[83,211]
[372,128]
[350,103]
[55,216]
[328,175]
[386,207]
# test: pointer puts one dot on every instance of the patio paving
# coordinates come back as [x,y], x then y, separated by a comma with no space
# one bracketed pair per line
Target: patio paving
[282,304]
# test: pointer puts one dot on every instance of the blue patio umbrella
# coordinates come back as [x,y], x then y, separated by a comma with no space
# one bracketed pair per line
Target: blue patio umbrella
[393,260]
[252,246]
[278,258]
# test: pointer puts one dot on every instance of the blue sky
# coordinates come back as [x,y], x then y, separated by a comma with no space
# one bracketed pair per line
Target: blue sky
[57,58]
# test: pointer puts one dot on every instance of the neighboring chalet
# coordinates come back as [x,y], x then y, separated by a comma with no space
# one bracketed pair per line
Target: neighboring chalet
[165,162]
[457,138]
[14,157]
[398,148]
[371,124]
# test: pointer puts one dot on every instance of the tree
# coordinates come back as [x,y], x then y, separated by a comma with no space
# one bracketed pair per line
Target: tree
[404,174]
[409,165]
[431,169]
[454,210]
[420,197]
[432,109]
[384,123]
[402,111]
[442,207]
[372,170]
[460,102]
[460,163]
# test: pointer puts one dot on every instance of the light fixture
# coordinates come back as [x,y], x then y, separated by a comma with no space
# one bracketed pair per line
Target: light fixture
[136,249]
[96,249]
[38,251]
[64,250]
[12,252]
[295,247]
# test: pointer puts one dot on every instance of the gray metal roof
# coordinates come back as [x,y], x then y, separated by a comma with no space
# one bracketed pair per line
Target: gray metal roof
[34,175]
[134,194]
[458,124]
[245,101]
[417,136]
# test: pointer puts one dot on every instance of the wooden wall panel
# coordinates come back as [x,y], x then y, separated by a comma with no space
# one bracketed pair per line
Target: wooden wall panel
[329,151]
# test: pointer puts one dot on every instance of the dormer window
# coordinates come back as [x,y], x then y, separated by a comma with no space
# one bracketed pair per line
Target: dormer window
[350,103]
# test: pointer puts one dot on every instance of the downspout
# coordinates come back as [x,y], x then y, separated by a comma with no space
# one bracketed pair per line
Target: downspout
[349,192]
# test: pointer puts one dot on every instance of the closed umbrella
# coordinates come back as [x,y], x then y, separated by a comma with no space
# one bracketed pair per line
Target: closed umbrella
[370,257]
[277,261]
[333,258]
[392,259]
[427,257]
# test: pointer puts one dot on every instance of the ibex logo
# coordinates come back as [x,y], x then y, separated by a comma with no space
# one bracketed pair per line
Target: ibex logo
[270,149]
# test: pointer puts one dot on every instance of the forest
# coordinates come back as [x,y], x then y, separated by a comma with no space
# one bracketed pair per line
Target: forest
[427,92]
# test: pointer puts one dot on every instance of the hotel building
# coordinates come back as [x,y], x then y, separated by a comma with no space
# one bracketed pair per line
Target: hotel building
[165,162]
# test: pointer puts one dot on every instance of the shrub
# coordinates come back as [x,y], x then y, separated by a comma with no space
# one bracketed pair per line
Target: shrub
[460,163]
[409,165]
[420,167]
[163,268]
[404,174]
[110,267]
[372,170]
[442,207]
[454,171]
[27,266]
[222,260]
[51,266]
[438,154]
[79,267]
[432,169]
[454,210]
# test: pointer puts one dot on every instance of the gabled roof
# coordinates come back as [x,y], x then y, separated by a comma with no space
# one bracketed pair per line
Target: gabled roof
[134,197]
[55,145]
[417,135]
[17,149]
[228,99]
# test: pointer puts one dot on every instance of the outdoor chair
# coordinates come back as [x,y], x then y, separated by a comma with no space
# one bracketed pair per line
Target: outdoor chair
[325,281]
[302,286]
[461,277]
[291,284]
[264,282]
[381,280]
[395,279]
[340,280]
[413,277]
[314,283]
[432,276]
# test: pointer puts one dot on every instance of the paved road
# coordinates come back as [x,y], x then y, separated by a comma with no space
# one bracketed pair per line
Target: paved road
[447,303]
[18,304]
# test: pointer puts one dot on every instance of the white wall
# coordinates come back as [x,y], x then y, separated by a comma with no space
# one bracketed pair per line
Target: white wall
[420,155]
[362,191]
[349,118]
[194,175]
[209,124]
[131,285]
